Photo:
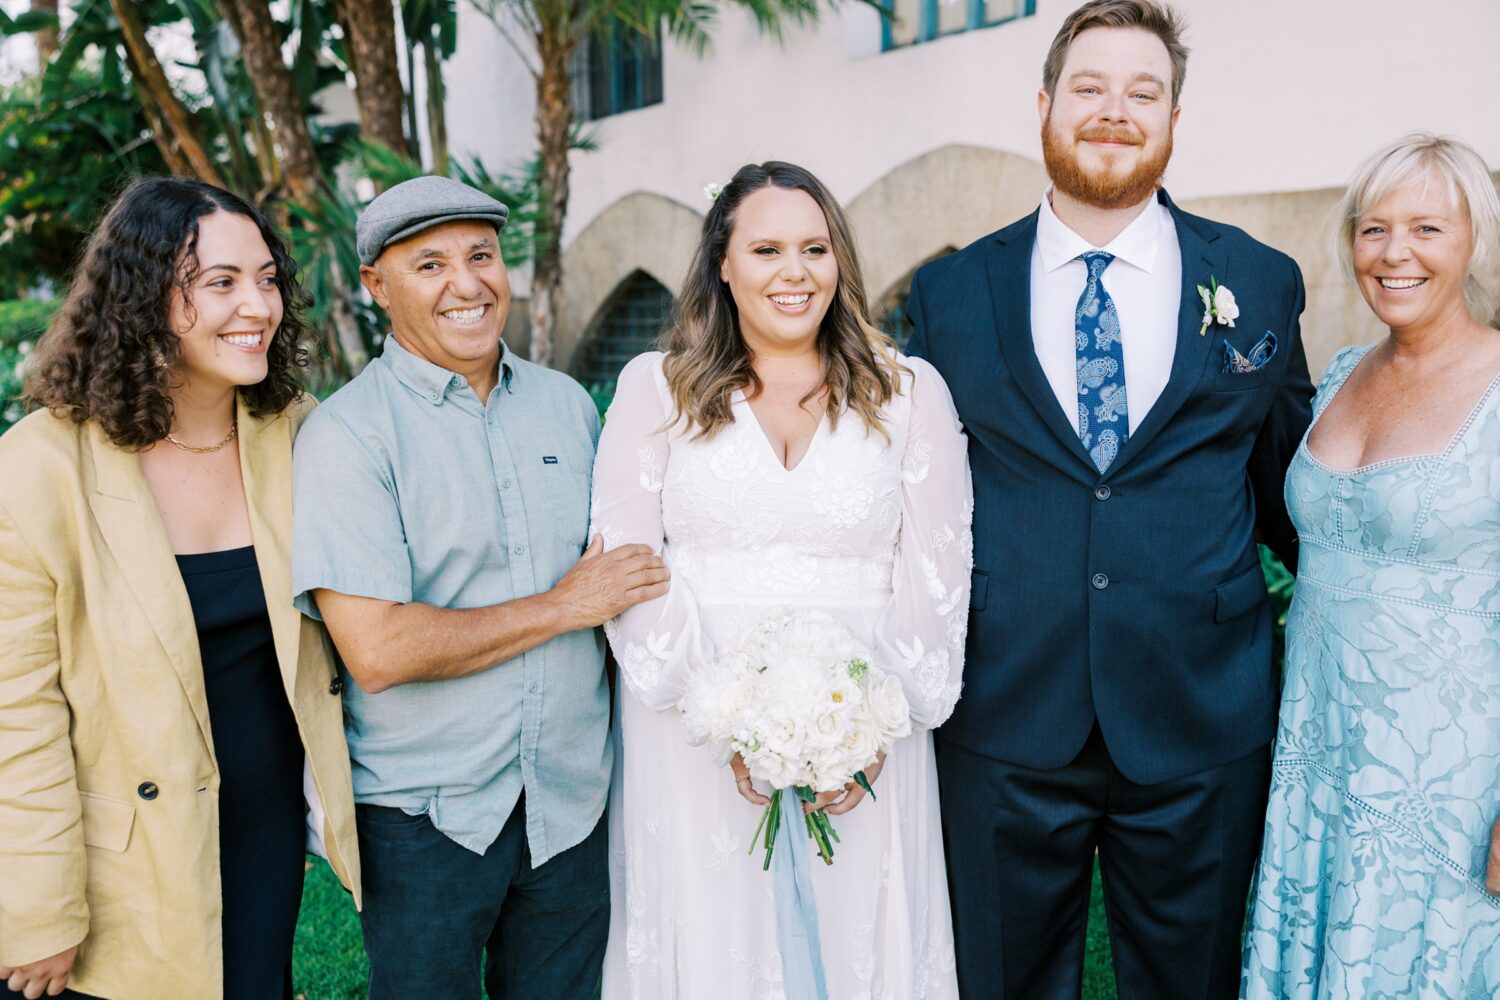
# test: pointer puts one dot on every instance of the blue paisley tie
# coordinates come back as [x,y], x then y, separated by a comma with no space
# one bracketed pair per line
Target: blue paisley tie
[1103,421]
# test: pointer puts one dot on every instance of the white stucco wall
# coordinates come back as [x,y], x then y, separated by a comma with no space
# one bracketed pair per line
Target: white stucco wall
[1281,95]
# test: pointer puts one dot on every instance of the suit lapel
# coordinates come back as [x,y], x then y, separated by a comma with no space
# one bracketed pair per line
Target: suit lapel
[266,468]
[132,528]
[1009,270]
[1202,257]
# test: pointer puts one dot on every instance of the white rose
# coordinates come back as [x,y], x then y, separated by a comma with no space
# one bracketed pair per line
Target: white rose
[828,729]
[784,737]
[889,709]
[1225,307]
[830,770]
[770,768]
[861,744]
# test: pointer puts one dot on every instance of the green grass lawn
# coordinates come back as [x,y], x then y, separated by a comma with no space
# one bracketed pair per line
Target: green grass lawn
[329,959]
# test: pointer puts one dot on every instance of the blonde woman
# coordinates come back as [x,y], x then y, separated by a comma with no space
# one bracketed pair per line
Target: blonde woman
[780,453]
[1380,866]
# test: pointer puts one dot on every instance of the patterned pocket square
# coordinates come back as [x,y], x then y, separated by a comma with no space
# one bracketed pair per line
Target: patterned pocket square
[1260,354]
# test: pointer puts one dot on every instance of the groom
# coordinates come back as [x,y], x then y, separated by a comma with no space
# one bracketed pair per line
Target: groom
[1128,441]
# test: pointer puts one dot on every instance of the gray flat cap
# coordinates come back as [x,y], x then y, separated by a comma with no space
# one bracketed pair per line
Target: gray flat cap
[418,204]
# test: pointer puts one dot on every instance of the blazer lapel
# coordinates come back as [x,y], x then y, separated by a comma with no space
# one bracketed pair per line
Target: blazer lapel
[132,528]
[1009,269]
[266,468]
[1202,257]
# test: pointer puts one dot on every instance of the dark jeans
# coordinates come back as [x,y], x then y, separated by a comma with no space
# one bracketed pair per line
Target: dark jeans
[433,909]
[1175,859]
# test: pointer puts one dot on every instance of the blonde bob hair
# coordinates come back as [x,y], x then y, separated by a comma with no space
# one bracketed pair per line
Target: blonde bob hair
[1428,158]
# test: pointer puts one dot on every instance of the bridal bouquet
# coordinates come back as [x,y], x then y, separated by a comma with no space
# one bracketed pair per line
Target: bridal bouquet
[799,700]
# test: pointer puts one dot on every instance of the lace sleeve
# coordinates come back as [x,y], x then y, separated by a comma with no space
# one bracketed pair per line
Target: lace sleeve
[922,631]
[657,643]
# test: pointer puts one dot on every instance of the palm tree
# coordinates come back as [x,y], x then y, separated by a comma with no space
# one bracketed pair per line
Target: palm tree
[370,47]
[546,34]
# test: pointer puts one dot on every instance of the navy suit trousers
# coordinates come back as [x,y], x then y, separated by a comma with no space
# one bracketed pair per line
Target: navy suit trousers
[1176,859]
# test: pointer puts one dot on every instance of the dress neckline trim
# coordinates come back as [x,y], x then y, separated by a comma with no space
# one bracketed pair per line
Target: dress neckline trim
[1432,456]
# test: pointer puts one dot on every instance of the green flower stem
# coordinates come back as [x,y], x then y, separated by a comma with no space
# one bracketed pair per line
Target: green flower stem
[819,827]
[758,827]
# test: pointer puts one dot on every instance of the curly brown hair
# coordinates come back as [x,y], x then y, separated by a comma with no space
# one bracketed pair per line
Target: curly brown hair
[110,353]
[707,360]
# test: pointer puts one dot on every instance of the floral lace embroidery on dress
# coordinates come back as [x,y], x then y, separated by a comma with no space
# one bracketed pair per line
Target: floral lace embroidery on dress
[876,534]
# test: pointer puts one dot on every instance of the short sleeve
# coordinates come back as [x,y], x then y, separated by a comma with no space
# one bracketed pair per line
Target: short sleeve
[347,533]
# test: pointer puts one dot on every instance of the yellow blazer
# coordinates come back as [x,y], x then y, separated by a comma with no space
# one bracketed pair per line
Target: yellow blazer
[108,782]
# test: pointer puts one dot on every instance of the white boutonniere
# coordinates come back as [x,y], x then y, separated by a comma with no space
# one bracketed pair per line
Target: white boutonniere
[1218,305]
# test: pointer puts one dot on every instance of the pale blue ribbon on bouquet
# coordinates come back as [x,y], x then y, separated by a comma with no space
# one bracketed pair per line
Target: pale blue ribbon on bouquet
[796,909]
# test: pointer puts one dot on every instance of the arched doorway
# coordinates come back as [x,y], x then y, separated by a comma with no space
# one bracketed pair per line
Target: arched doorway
[633,317]
[890,311]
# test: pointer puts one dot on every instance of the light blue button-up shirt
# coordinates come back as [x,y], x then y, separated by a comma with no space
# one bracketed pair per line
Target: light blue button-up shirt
[406,489]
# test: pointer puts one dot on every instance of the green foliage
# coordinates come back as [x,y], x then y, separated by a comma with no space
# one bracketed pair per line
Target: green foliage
[21,323]
[602,393]
[328,954]
[64,154]
[1279,583]
[26,21]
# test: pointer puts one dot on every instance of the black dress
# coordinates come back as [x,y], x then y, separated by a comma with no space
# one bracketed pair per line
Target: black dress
[259,754]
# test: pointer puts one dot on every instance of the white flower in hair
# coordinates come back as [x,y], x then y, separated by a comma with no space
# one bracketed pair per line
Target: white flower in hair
[712,191]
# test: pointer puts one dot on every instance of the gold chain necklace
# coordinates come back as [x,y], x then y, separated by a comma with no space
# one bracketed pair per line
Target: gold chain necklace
[233,427]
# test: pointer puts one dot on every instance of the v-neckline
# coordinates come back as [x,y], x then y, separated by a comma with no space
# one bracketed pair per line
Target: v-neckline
[771,446]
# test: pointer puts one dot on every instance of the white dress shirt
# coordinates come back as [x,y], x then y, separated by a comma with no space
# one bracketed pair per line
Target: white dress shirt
[1145,282]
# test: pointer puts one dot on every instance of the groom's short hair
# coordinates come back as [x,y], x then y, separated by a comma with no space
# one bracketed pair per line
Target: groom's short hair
[1148,15]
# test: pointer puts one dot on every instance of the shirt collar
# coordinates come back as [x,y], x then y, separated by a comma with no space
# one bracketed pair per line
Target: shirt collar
[432,382]
[1136,244]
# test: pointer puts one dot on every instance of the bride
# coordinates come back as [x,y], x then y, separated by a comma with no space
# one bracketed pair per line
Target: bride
[780,454]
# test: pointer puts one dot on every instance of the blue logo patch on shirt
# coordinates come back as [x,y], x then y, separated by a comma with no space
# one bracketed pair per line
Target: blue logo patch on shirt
[549,459]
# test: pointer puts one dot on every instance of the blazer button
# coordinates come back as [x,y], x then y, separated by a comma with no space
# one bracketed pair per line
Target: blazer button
[147,790]
[336,686]
[1102,493]
[1100,581]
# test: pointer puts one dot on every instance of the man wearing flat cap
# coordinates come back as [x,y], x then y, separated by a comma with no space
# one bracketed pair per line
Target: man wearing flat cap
[441,505]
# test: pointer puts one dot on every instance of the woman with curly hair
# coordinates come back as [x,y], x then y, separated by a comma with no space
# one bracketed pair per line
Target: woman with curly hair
[159,695]
[781,454]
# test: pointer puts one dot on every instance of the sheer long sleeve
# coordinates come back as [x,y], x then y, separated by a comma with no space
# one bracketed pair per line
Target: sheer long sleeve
[920,636]
[660,642]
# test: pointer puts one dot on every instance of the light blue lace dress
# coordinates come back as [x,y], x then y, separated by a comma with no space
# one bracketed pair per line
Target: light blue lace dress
[1386,775]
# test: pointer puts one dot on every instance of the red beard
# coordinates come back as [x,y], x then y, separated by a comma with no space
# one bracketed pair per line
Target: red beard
[1102,190]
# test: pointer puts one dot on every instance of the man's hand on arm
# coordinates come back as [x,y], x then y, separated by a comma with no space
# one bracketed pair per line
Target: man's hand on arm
[384,643]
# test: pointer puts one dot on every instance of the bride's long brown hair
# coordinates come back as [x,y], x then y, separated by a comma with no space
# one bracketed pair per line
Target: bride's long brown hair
[707,359]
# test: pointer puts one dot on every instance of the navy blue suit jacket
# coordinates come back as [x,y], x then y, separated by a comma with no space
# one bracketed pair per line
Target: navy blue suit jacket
[1134,597]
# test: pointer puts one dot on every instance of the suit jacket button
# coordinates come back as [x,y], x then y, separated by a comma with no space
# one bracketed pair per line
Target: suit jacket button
[147,790]
[1100,581]
[1102,493]
[336,686]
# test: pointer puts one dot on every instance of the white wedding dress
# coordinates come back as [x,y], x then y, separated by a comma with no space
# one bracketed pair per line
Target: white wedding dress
[876,534]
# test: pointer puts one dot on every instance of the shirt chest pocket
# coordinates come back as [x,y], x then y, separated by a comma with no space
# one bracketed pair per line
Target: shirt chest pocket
[565,491]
